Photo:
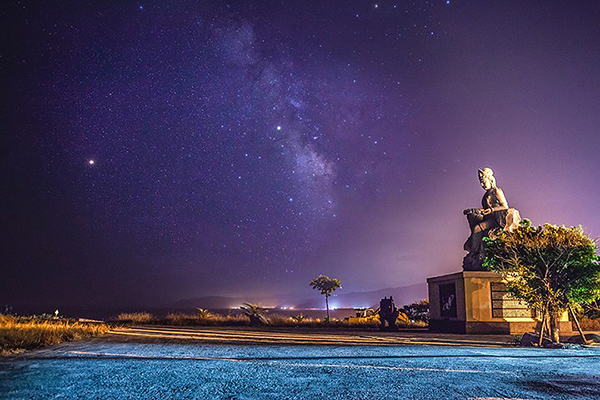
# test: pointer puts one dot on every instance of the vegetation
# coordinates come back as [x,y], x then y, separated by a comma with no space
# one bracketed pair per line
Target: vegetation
[551,268]
[417,311]
[255,313]
[299,318]
[326,286]
[589,316]
[136,318]
[203,320]
[203,313]
[274,320]
[25,333]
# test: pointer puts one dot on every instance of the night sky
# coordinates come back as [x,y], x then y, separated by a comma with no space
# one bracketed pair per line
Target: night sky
[153,151]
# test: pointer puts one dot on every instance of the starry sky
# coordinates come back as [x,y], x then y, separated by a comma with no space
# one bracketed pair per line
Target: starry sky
[153,151]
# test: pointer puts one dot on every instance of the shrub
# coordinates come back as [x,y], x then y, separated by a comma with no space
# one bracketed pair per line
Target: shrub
[417,311]
[589,324]
[136,318]
[30,333]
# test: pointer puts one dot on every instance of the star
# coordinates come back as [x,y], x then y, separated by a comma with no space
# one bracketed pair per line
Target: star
[91,162]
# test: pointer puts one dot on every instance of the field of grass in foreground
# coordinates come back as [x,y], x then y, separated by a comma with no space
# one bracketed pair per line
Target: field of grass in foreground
[25,333]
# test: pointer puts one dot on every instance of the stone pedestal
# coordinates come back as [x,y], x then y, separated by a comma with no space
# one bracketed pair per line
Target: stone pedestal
[478,302]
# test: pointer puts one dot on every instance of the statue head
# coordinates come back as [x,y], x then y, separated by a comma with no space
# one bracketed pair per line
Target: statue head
[486,178]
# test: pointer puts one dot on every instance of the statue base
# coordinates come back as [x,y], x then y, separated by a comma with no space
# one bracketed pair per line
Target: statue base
[478,302]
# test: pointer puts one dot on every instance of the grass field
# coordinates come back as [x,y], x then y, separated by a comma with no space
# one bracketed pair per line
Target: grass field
[210,319]
[25,333]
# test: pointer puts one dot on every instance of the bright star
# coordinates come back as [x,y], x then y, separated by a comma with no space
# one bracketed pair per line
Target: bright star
[278,127]
[91,162]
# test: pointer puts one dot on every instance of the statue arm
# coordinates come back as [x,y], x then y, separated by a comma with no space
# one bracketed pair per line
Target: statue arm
[500,199]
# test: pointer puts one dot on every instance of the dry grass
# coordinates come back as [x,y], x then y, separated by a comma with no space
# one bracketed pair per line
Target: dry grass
[205,320]
[588,324]
[136,318]
[274,320]
[18,333]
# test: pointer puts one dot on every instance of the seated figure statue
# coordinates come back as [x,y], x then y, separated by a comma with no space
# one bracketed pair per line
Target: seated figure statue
[388,313]
[493,216]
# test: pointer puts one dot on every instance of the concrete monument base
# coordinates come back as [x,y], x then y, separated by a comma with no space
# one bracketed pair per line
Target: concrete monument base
[478,302]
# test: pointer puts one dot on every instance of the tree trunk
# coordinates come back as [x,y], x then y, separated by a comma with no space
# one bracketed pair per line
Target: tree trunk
[542,328]
[327,303]
[577,325]
[554,332]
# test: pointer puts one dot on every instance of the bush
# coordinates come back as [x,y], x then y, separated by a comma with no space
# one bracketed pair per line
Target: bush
[417,311]
[204,320]
[589,324]
[136,318]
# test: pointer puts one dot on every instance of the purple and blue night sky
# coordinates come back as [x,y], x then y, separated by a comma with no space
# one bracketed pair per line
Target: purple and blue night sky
[153,151]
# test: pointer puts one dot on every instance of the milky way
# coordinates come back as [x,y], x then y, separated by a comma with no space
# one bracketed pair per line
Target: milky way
[169,149]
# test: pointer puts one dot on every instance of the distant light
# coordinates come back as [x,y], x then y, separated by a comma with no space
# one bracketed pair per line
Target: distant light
[91,162]
[278,127]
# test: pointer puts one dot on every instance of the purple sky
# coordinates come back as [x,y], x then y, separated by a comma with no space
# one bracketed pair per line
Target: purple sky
[242,148]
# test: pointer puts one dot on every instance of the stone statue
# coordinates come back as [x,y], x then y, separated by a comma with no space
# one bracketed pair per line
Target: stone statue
[493,216]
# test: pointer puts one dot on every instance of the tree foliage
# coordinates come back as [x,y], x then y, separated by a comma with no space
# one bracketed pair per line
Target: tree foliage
[417,311]
[326,286]
[549,267]
[255,313]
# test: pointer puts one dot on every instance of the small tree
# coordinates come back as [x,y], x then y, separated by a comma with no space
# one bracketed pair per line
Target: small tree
[326,286]
[551,268]
[203,313]
[255,313]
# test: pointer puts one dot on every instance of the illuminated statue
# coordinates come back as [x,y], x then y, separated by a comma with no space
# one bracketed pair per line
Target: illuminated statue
[494,215]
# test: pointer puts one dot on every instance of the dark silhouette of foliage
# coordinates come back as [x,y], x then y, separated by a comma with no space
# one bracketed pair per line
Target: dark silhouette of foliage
[326,286]
[255,313]
[417,311]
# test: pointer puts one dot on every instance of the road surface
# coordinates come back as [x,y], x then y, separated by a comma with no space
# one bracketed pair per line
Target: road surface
[109,370]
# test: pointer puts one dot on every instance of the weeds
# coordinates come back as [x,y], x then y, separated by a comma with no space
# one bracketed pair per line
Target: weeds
[136,318]
[589,324]
[22,333]
[205,318]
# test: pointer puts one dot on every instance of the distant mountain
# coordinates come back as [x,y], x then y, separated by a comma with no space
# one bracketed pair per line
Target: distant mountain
[402,295]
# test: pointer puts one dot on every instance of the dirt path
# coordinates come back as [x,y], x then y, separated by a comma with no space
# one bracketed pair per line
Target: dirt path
[290,336]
